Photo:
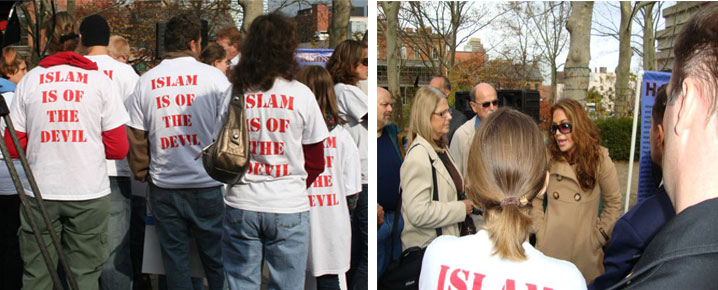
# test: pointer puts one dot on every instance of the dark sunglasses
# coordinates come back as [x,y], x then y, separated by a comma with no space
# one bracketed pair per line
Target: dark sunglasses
[365,62]
[564,128]
[494,102]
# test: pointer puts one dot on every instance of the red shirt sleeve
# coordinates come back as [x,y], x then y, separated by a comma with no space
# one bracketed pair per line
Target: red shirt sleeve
[313,161]
[22,136]
[116,144]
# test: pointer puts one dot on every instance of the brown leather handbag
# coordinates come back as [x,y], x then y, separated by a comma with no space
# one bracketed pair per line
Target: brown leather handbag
[227,158]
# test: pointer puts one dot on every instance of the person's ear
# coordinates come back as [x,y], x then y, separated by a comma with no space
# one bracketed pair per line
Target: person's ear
[689,106]
[660,137]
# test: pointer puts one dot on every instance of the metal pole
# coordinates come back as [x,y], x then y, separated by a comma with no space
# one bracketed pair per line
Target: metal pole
[38,199]
[636,107]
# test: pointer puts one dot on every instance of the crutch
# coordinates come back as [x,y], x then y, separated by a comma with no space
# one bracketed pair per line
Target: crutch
[4,112]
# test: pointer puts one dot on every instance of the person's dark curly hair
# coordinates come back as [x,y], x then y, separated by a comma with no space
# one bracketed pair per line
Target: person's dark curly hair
[267,53]
[180,30]
[343,63]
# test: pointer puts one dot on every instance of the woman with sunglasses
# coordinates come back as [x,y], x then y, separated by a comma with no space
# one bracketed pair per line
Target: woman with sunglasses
[568,221]
[429,172]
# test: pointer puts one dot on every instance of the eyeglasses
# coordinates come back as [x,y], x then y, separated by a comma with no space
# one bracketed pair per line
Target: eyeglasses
[444,114]
[365,62]
[564,128]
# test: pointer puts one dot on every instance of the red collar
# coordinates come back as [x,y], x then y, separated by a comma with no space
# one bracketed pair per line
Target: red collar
[68,57]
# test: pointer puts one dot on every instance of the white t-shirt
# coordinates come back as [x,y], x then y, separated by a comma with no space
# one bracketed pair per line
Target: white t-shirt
[280,121]
[179,103]
[330,232]
[64,110]
[7,187]
[452,263]
[126,78]
[352,106]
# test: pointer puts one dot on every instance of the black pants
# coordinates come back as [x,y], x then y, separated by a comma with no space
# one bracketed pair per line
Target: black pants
[328,282]
[10,260]
[357,275]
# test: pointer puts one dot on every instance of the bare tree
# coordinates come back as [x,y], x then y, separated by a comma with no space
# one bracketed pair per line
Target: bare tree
[390,27]
[519,47]
[550,35]
[437,26]
[338,30]
[579,53]
[623,91]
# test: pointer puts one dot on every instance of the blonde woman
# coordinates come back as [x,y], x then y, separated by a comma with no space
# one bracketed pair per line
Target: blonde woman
[427,167]
[505,173]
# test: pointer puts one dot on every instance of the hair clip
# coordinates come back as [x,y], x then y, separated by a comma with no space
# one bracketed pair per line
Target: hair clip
[69,36]
[510,200]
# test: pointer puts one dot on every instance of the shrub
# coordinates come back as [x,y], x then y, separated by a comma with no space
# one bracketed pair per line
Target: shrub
[616,136]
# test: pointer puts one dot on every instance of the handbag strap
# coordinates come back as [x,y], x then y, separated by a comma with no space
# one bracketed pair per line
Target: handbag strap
[436,190]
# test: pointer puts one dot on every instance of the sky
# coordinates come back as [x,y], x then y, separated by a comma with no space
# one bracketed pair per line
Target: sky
[604,50]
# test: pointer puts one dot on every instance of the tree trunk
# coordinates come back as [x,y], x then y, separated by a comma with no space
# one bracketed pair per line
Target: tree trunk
[339,28]
[649,39]
[391,11]
[623,92]
[251,10]
[576,71]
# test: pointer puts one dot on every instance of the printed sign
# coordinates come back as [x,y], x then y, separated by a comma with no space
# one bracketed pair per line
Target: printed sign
[652,80]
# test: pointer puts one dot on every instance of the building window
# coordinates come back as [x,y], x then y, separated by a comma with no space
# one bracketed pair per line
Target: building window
[417,53]
[403,52]
[435,55]
[536,86]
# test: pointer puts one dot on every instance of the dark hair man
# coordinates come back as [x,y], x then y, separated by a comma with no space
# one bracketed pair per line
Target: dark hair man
[635,229]
[684,254]
[174,114]
[117,272]
[457,118]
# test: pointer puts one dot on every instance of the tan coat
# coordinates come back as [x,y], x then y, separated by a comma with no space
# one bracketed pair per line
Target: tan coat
[569,229]
[421,214]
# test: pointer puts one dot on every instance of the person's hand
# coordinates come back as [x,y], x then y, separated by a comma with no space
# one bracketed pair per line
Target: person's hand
[379,214]
[469,206]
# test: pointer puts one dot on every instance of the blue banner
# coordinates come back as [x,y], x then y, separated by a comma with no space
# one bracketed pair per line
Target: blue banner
[313,56]
[652,80]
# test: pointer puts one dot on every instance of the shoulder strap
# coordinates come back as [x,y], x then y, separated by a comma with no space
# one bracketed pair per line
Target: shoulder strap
[435,196]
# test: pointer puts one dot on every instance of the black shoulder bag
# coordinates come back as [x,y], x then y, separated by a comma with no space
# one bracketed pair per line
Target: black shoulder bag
[403,273]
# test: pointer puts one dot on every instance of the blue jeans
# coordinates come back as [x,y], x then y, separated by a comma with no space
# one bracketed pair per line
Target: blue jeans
[358,274]
[117,271]
[181,214]
[251,237]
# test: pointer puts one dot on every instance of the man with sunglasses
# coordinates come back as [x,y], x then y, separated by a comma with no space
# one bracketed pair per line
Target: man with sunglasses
[484,101]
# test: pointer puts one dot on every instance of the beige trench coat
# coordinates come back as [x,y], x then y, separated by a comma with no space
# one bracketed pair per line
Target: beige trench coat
[421,214]
[569,229]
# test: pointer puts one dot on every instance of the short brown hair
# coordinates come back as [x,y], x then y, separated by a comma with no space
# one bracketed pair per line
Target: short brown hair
[696,55]
[64,35]
[11,61]
[344,61]
[232,34]
[212,53]
[118,46]
[507,161]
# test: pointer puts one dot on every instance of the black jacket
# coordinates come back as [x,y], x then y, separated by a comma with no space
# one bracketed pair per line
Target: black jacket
[683,255]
